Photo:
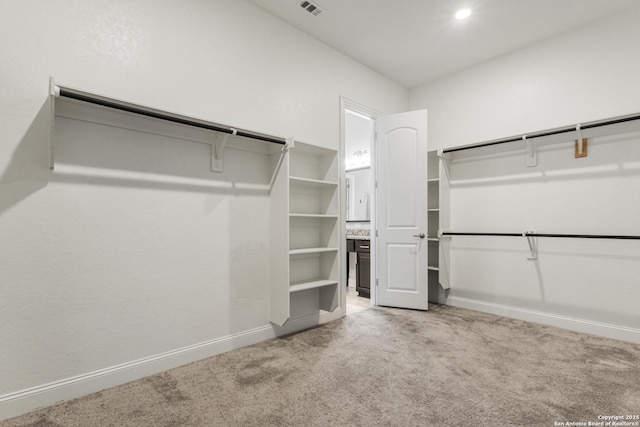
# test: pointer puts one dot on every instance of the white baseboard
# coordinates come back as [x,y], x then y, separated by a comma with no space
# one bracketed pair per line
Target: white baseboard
[21,402]
[573,324]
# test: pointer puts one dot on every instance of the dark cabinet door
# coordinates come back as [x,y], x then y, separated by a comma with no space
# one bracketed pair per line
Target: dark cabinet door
[351,247]
[363,274]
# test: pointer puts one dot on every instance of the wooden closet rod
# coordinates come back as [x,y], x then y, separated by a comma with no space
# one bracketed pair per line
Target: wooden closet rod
[547,133]
[157,114]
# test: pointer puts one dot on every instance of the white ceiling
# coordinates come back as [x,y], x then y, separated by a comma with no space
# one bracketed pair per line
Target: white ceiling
[413,41]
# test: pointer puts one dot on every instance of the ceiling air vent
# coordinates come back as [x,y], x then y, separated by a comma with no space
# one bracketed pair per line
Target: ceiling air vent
[311,7]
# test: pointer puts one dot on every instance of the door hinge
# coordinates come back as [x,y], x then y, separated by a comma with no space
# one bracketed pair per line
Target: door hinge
[376,233]
[376,184]
[376,283]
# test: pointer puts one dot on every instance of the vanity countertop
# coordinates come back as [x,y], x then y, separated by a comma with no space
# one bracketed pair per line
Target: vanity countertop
[358,234]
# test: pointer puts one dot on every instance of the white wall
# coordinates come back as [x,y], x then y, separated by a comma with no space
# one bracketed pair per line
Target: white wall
[132,248]
[594,282]
[359,132]
[589,74]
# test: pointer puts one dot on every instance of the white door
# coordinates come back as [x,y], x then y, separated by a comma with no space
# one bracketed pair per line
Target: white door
[401,210]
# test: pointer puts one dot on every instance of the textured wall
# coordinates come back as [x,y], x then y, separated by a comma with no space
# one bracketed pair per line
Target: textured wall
[131,247]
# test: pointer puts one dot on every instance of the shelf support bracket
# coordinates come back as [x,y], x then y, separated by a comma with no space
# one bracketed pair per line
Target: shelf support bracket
[285,148]
[53,92]
[217,151]
[533,245]
[532,154]
[580,151]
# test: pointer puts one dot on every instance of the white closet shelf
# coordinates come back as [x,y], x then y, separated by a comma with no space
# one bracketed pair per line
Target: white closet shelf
[433,239]
[312,182]
[305,251]
[433,180]
[433,210]
[302,215]
[310,284]
[432,268]
[68,102]
[606,127]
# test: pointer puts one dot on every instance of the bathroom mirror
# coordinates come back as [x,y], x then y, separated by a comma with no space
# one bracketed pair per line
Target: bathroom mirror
[358,194]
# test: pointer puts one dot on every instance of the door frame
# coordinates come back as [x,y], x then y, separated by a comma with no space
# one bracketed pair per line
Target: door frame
[348,104]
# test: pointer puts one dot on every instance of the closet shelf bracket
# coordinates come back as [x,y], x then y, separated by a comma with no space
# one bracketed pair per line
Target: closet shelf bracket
[285,148]
[532,154]
[54,91]
[533,244]
[217,150]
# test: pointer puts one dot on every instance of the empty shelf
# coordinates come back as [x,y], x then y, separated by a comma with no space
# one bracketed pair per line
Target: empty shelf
[312,182]
[299,215]
[311,284]
[311,251]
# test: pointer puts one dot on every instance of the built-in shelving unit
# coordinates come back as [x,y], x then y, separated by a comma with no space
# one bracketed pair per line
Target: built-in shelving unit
[433,212]
[438,218]
[305,227]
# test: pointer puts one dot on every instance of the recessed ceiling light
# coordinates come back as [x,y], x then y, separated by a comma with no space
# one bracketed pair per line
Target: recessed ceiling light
[463,13]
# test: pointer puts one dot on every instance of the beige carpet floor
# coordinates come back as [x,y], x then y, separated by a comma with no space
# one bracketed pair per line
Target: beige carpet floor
[382,367]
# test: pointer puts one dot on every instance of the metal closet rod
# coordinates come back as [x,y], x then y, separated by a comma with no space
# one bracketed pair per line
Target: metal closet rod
[168,117]
[531,234]
[547,133]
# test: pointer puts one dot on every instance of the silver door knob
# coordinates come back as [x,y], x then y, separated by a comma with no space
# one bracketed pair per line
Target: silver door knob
[421,235]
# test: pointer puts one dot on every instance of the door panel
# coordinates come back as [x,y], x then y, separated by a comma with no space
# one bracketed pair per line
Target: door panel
[402,267]
[401,207]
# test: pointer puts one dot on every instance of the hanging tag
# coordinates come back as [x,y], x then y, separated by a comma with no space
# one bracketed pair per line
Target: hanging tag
[581,151]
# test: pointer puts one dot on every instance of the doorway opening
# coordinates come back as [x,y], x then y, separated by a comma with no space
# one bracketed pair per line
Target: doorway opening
[393,241]
[357,143]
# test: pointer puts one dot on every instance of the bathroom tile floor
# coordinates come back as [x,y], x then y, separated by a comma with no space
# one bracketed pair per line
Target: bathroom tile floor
[356,303]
